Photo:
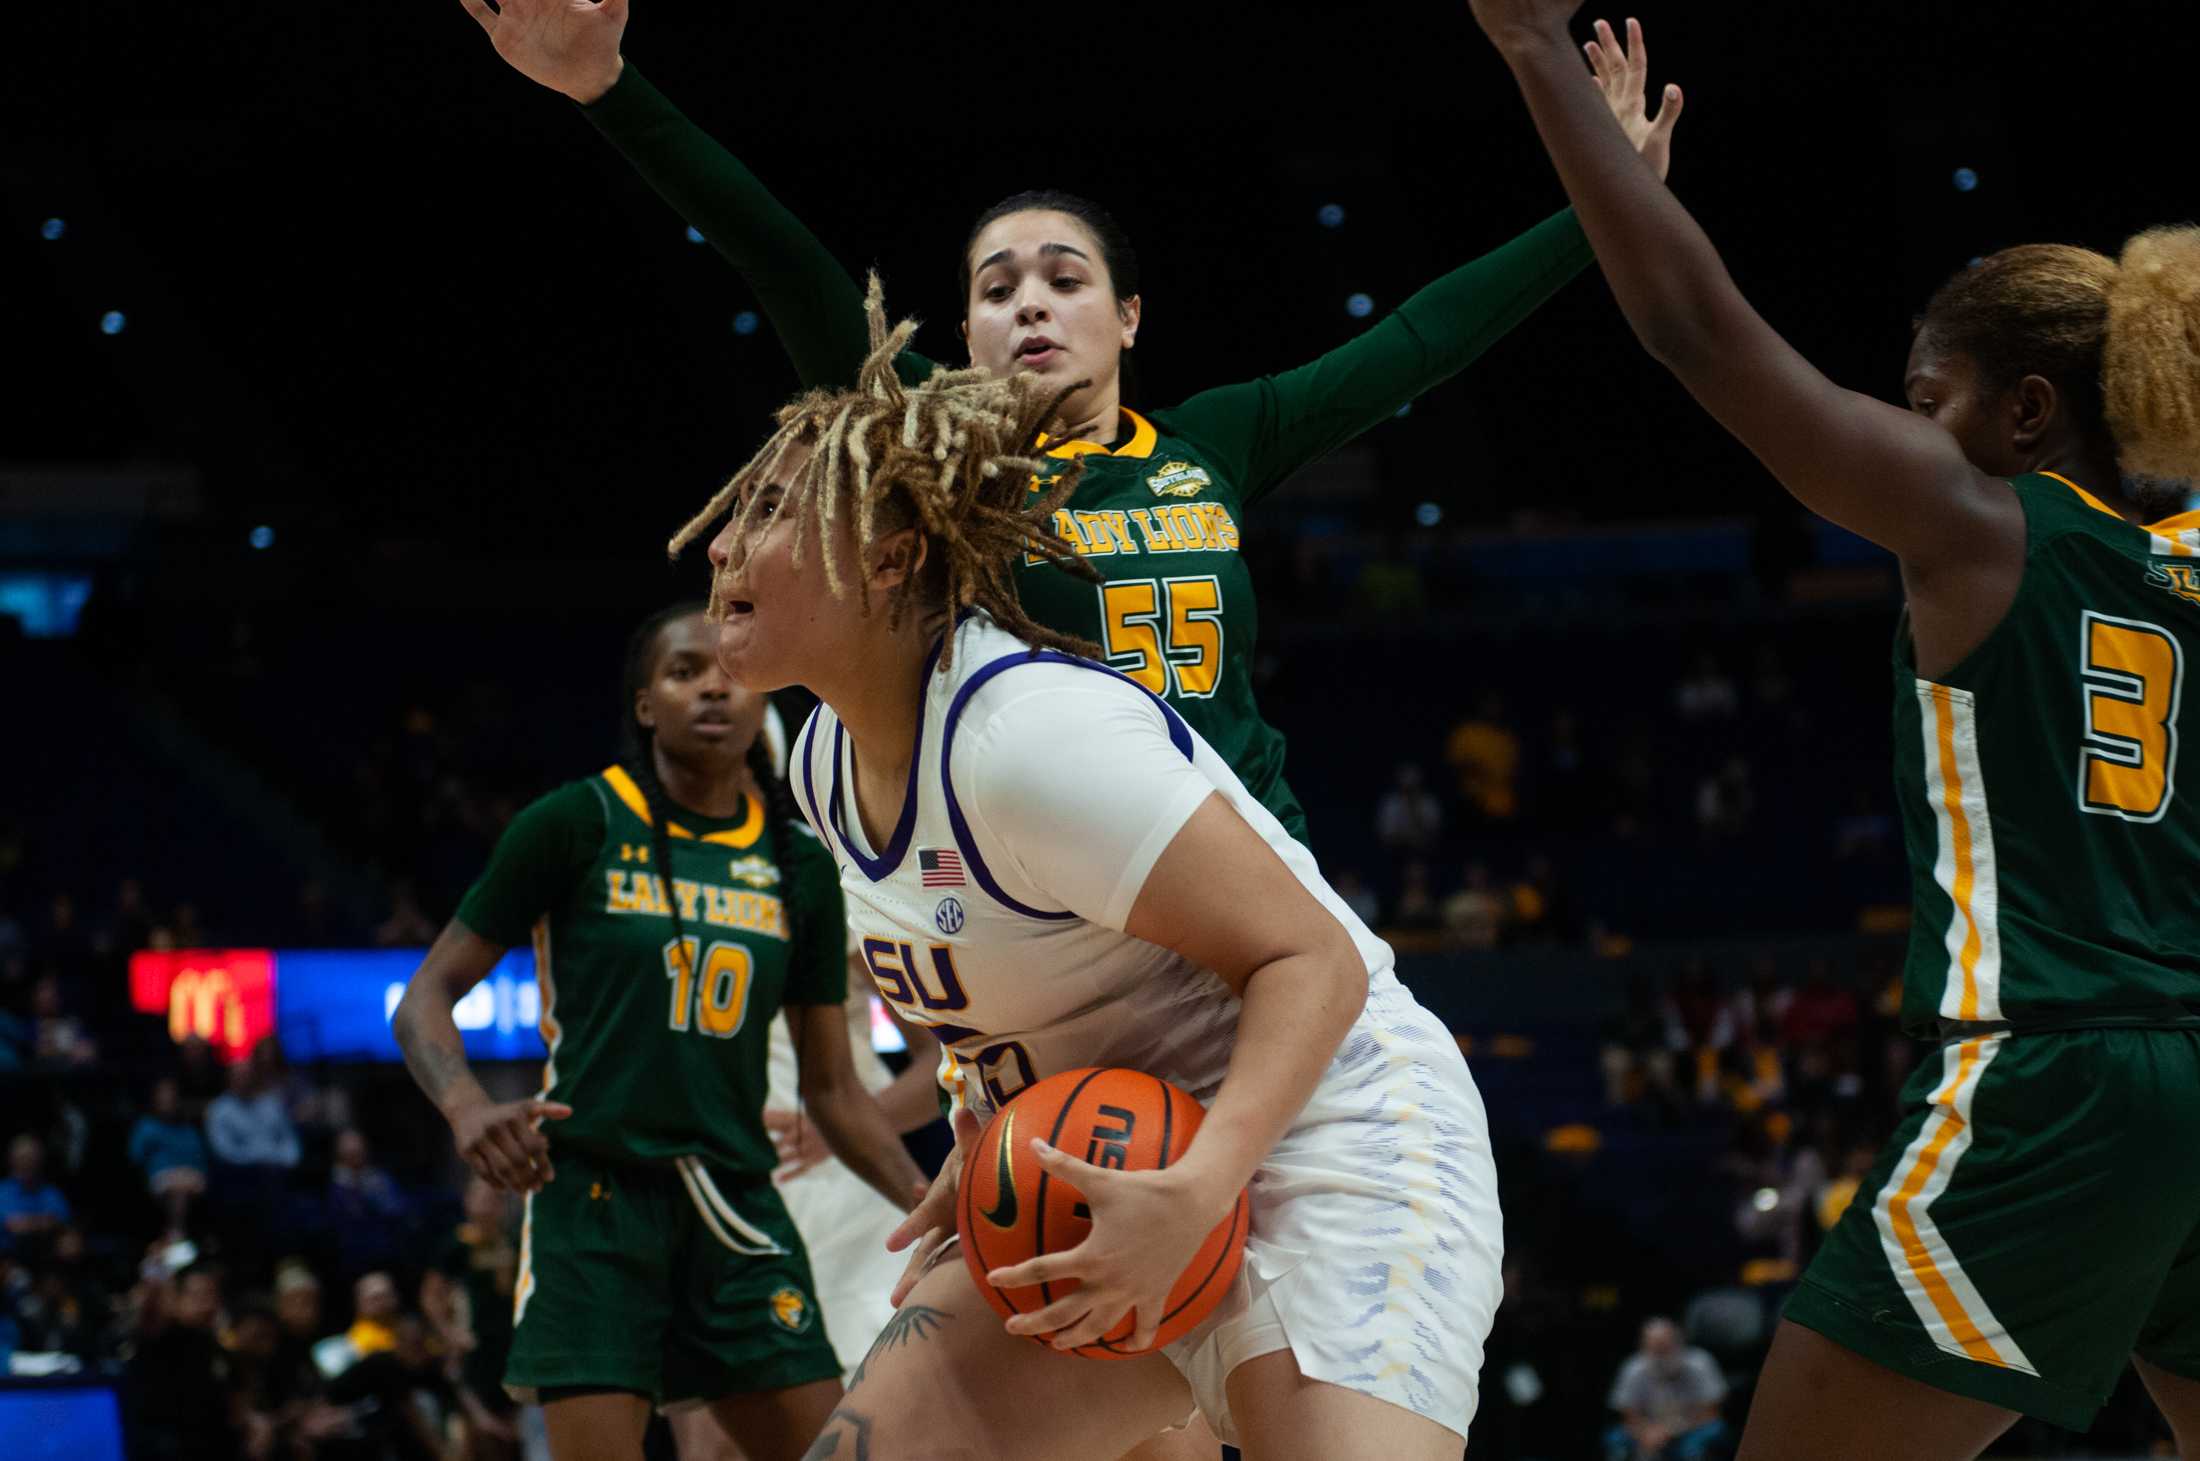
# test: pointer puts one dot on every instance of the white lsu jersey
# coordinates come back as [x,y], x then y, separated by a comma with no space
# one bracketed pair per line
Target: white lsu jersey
[1043,790]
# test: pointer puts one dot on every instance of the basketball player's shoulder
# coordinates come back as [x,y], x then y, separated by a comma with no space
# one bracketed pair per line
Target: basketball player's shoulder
[996,674]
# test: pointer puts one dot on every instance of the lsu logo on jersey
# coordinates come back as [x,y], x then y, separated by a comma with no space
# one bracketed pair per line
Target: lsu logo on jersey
[2181,579]
[753,871]
[791,1310]
[1179,479]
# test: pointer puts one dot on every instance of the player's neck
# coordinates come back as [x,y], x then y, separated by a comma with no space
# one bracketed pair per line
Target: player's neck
[707,791]
[877,692]
[2092,465]
[1101,420]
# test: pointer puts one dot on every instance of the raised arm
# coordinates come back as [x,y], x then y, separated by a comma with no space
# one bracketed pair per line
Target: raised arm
[1276,424]
[1876,469]
[572,47]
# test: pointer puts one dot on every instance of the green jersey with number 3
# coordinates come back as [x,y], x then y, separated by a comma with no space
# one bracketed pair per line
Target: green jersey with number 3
[2055,860]
[661,1056]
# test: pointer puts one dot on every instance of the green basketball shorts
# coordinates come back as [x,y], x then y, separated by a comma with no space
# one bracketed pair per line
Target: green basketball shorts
[677,1282]
[2034,1222]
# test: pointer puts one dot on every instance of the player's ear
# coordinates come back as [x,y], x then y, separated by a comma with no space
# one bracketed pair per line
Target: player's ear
[645,714]
[901,556]
[1128,311]
[2032,404]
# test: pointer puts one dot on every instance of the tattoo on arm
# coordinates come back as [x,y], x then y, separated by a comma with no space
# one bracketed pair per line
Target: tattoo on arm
[846,1437]
[911,1324]
[434,1051]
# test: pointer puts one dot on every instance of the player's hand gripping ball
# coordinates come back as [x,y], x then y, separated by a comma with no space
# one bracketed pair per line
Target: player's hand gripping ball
[1011,1209]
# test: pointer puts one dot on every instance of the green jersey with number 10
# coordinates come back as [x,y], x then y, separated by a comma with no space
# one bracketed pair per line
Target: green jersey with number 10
[2054,859]
[659,1056]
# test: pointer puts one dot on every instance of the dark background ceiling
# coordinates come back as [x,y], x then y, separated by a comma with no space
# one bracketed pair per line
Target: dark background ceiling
[379,289]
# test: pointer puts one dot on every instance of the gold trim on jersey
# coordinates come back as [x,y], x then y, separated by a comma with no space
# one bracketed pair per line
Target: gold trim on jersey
[1141,444]
[1955,1314]
[2175,536]
[745,835]
[1964,863]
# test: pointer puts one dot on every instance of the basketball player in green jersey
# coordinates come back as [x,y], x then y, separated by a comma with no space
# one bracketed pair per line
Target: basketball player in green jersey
[676,904]
[2036,1218]
[1050,285]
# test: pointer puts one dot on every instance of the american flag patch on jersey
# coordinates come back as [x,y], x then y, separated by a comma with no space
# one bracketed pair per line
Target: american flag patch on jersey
[942,867]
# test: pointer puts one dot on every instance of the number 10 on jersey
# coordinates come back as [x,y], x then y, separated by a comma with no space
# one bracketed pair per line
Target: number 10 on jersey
[716,1002]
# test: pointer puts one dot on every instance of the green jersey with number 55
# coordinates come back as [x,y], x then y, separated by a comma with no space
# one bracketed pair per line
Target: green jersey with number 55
[662,1056]
[2055,860]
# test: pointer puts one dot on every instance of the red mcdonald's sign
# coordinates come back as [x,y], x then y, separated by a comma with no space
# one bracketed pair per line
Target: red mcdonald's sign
[224,996]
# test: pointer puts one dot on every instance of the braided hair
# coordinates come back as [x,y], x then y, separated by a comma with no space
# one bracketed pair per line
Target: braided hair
[785,823]
[638,752]
[955,458]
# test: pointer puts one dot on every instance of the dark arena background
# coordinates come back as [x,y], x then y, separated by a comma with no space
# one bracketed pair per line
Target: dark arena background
[358,384]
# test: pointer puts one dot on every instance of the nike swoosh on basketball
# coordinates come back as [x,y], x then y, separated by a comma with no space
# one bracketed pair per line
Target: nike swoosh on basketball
[1003,1213]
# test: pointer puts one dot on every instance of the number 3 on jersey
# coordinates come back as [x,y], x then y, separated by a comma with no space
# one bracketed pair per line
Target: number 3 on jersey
[717,1003]
[1165,633]
[2133,681]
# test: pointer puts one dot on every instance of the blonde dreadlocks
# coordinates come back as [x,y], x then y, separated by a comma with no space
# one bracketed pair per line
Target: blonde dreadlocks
[955,457]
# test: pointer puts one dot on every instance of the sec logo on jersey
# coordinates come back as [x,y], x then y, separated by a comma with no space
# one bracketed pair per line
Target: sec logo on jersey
[948,917]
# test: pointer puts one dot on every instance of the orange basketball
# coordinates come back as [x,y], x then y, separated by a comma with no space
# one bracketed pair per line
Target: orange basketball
[1012,1209]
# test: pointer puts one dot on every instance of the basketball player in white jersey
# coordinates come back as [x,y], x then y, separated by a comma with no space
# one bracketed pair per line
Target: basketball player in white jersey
[1045,865]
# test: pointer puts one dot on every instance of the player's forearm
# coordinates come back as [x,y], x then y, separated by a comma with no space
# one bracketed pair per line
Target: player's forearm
[911,1101]
[434,1051]
[1663,269]
[1295,1013]
[858,1132]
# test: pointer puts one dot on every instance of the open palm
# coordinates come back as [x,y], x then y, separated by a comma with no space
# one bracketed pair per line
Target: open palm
[1622,72]
[570,46]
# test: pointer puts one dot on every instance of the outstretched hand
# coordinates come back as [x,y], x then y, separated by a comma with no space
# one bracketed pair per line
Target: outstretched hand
[1622,72]
[571,46]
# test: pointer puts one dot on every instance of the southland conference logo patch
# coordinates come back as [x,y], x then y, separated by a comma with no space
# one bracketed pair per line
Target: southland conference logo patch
[2181,579]
[1179,479]
[791,1310]
[755,871]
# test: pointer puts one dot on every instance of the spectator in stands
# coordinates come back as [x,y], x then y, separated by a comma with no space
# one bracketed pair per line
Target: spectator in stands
[467,1298]
[1484,752]
[1706,692]
[1408,818]
[58,1038]
[168,1150]
[181,1404]
[357,1189]
[1537,910]
[1475,914]
[312,1107]
[399,1397]
[1726,800]
[375,1308]
[298,1317]
[247,1126]
[32,1210]
[1668,1395]
[1358,896]
[253,1338]
[61,1309]
[366,1212]
[1416,907]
